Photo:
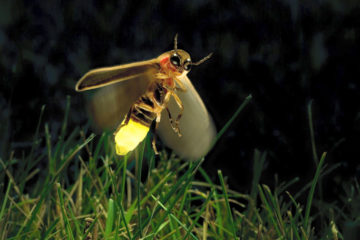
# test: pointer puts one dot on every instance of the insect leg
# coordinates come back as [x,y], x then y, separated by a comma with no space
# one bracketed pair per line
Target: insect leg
[161,76]
[153,142]
[181,106]
[181,86]
[171,120]
[174,127]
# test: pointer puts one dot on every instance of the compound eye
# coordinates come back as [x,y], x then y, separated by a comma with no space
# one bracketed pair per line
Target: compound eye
[187,65]
[175,60]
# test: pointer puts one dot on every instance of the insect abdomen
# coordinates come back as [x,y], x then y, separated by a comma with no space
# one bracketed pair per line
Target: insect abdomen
[130,134]
[143,111]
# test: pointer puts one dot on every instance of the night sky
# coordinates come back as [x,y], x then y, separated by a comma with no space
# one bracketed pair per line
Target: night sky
[285,53]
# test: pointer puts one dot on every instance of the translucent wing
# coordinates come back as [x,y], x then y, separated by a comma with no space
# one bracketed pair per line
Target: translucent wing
[196,125]
[109,75]
[110,104]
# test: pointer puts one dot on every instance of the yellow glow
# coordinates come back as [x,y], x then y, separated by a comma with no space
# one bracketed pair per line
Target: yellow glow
[129,136]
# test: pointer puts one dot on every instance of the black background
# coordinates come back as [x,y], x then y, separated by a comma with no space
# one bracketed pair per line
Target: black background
[285,53]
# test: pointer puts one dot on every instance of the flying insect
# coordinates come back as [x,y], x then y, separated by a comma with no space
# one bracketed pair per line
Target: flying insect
[137,94]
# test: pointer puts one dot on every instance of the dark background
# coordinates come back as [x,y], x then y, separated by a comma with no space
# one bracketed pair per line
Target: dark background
[285,53]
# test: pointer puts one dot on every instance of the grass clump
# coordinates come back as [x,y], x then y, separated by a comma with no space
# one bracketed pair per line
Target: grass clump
[85,191]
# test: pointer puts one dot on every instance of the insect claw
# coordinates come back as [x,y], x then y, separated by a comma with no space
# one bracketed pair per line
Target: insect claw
[178,129]
[154,147]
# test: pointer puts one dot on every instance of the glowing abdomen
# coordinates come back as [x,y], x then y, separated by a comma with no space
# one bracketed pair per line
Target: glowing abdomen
[129,136]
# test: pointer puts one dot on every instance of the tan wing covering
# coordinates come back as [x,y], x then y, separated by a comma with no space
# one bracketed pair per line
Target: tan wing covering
[110,104]
[109,75]
[196,125]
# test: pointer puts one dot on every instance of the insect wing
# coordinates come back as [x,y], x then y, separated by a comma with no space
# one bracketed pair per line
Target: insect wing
[196,125]
[101,77]
[110,104]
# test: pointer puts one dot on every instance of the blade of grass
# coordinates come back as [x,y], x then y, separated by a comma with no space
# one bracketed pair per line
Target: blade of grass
[259,160]
[312,135]
[123,179]
[27,225]
[227,204]
[69,232]
[231,120]
[36,135]
[198,215]
[110,219]
[308,185]
[50,229]
[313,147]
[130,210]
[45,191]
[269,211]
[49,151]
[59,147]
[139,169]
[72,154]
[286,185]
[66,117]
[297,208]
[5,200]
[174,228]
[218,220]
[184,180]
[293,226]
[125,221]
[174,217]
[75,221]
[312,191]
[276,209]
[184,201]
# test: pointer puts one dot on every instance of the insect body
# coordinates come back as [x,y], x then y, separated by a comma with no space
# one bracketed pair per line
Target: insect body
[167,88]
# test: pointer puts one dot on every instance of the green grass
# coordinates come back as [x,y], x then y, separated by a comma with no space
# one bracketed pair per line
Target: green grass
[85,191]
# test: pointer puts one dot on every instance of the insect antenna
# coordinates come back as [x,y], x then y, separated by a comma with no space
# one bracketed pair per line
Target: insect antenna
[202,60]
[175,42]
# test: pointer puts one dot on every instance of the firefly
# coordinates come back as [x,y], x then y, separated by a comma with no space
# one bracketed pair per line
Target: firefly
[156,90]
